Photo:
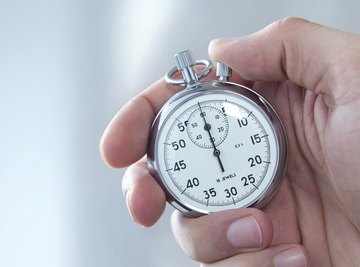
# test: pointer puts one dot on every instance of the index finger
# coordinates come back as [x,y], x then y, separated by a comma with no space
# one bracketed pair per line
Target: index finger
[125,139]
[312,56]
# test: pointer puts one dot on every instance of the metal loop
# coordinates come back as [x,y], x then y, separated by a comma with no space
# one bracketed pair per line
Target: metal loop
[203,73]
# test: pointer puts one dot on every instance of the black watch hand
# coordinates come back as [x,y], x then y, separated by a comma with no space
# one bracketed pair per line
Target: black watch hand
[216,153]
[207,128]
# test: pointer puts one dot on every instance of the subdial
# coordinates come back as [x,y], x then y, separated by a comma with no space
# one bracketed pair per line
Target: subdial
[216,124]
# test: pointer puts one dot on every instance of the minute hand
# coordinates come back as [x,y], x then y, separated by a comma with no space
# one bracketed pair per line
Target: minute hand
[207,128]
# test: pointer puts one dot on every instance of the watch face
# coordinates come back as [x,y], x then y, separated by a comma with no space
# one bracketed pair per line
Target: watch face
[217,150]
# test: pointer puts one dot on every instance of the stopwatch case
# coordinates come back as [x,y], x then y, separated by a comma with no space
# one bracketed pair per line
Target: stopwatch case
[210,87]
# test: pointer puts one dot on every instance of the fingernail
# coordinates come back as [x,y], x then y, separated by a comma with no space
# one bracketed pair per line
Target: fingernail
[292,257]
[245,233]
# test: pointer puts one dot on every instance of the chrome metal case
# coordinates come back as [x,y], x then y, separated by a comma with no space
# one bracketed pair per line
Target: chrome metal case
[210,87]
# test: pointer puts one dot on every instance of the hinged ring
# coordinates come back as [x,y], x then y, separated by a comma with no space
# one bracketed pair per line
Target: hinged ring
[203,73]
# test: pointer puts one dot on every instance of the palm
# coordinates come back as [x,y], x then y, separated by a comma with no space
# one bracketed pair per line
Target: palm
[321,178]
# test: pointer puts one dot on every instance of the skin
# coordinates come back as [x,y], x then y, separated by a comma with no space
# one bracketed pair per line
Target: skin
[310,74]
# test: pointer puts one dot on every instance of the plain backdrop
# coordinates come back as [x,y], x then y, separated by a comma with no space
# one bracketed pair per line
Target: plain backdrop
[66,67]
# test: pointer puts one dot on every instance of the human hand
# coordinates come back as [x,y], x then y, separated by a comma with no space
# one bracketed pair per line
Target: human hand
[310,74]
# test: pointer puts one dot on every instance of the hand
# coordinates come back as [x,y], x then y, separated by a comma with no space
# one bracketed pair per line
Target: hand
[310,74]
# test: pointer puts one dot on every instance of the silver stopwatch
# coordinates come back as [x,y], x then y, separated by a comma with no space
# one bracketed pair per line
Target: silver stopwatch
[216,145]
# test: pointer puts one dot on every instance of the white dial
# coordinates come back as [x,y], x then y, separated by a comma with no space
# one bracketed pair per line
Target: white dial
[217,151]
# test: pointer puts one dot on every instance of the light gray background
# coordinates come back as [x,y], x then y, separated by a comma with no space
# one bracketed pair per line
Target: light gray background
[66,67]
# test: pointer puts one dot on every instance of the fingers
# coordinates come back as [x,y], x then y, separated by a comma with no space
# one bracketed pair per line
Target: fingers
[144,197]
[224,234]
[312,56]
[277,256]
[125,139]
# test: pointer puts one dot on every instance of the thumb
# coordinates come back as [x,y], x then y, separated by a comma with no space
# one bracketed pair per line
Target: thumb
[222,234]
[283,255]
[310,55]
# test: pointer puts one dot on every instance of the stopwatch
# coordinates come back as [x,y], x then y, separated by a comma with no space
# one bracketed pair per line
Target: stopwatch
[216,145]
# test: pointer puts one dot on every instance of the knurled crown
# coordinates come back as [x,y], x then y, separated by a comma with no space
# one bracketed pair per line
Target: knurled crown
[184,60]
[223,70]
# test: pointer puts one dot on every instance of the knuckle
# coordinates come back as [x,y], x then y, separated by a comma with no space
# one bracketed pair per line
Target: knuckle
[288,23]
[193,238]
[195,247]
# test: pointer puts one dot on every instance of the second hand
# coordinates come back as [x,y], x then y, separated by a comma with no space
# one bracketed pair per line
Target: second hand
[207,128]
